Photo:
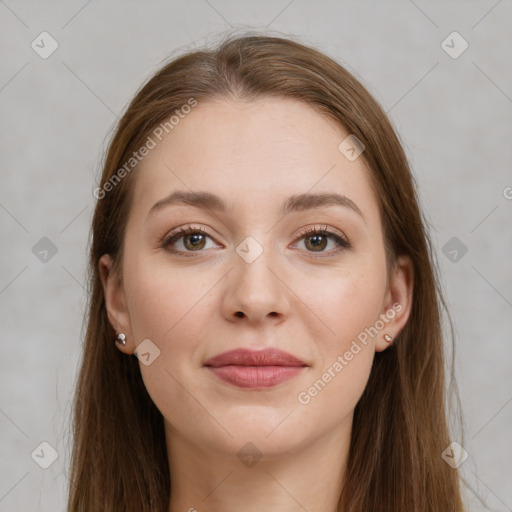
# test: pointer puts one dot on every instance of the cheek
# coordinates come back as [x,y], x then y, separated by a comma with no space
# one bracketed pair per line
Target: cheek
[163,300]
[349,306]
[168,306]
[333,393]
[349,302]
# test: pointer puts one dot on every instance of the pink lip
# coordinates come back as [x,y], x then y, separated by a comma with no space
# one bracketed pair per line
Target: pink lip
[255,369]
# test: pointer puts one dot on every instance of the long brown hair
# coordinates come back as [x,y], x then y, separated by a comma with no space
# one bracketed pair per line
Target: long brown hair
[119,460]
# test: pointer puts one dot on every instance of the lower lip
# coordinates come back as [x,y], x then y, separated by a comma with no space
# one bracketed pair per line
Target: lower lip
[256,376]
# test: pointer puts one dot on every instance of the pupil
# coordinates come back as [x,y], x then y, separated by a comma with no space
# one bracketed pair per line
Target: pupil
[195,240]
[317,241]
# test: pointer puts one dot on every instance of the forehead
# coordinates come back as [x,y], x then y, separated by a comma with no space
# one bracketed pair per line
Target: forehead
[254,154]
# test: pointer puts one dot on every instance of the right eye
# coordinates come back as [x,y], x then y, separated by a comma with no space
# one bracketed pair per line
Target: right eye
[192,240]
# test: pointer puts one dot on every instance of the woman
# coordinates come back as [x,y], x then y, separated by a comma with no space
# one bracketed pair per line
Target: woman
[258,246]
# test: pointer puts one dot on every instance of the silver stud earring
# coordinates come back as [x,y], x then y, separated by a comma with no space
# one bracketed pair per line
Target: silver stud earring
[121,338]
[388,338]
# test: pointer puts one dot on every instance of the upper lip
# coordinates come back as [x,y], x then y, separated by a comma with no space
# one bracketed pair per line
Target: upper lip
[248,357]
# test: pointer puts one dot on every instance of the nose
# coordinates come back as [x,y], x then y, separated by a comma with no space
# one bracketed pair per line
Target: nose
[255,289]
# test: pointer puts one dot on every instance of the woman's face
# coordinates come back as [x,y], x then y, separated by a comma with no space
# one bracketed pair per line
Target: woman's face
[255,278]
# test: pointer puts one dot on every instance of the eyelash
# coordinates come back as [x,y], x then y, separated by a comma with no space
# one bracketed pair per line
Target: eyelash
[189,230]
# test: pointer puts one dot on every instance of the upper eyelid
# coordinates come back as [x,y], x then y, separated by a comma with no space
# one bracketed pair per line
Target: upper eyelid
[328,229]
[184,231]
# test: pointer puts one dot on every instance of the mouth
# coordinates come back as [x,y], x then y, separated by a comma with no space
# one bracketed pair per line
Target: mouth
[246,368]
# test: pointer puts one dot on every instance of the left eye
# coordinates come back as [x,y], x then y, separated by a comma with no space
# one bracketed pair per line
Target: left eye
[317,240]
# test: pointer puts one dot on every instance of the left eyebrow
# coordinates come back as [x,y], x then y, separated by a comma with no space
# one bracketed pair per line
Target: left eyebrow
[300,202]
[309,201]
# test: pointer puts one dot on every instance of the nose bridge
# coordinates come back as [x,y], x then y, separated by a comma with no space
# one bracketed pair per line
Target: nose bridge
[256,289]
[254,255]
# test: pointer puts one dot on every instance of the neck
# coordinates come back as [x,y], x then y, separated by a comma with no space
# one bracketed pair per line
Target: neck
[215,479]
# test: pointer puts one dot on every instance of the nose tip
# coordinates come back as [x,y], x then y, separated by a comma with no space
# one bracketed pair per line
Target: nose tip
[255,292]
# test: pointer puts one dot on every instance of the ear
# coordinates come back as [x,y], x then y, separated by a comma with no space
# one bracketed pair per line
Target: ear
[397,303]
[115,303]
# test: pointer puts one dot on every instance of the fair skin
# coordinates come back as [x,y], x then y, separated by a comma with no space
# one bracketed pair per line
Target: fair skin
[254,155]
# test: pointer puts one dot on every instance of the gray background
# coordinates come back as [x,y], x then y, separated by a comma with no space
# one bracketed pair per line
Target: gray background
[454,117]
